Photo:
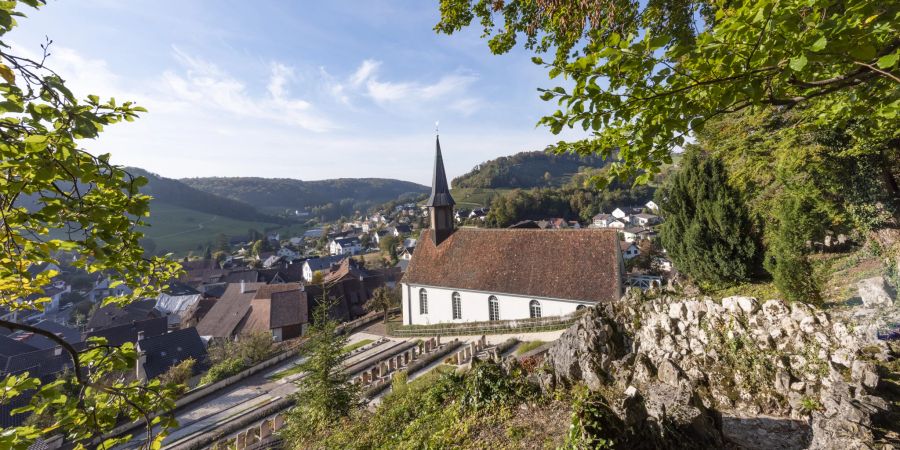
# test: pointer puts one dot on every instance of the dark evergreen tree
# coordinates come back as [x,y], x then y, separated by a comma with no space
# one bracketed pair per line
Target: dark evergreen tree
[799,223]
[707,231]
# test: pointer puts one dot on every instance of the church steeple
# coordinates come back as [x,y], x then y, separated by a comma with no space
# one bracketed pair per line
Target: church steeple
[441,202]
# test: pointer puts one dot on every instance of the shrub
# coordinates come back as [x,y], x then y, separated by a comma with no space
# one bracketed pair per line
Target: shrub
[179,374]
[223,370]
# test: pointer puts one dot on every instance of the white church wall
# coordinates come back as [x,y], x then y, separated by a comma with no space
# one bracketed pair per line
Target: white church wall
[475,306]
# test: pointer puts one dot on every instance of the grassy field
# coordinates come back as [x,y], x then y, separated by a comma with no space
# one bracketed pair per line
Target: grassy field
[180,230]
[475,197]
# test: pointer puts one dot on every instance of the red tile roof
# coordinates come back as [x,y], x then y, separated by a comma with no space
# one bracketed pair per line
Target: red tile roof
[229,311]
[567,264]
[277,306]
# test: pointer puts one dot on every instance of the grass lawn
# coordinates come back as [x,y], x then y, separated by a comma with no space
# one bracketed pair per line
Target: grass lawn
[286,372]
[526,347]
[356,345]
[297,368]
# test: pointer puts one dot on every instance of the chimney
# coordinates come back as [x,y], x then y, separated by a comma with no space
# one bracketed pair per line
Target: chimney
[243,287]
[142,359]
[57,351]
[140,336]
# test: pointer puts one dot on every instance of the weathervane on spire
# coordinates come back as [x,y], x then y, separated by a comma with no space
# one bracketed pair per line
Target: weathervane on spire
[436,123]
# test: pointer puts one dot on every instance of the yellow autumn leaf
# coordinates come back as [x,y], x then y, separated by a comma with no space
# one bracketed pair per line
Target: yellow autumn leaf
[7,74]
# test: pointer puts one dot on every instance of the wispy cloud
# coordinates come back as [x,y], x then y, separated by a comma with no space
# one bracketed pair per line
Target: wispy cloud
[403,96]
[204,85]
[364,72]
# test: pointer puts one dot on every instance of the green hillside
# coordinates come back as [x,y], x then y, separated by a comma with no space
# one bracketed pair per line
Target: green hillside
[475,197]
[325,199]
[173,192]
[181,230]
[526,170]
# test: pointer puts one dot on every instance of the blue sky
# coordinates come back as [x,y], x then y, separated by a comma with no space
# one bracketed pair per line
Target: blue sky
[276,89]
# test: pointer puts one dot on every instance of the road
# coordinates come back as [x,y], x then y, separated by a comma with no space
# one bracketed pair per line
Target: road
[252,393]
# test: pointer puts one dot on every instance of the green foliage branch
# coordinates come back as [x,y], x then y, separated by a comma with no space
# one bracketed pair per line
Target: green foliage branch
[642,77]
[58,200]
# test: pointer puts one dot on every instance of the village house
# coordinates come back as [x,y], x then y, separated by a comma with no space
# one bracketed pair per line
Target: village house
[158,354]
[104,287]
[401,229]
[175,302]
[37,341]
[644,219]
[629,250]
[602,220]
[130,332]
[345,246]
[378,235]
[479,213]
[349,287]
[112,315]
[287,253]
[311,266]
[281,310]
[631,234]
[474,274]
[223,321]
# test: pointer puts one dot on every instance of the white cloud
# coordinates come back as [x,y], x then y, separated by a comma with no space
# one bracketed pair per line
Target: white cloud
[203,85]
[407,96]
[365,70]
[281,75]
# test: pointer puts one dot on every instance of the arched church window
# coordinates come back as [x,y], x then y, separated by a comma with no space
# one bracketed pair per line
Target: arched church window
[423,301]
[534,307]
[493,308]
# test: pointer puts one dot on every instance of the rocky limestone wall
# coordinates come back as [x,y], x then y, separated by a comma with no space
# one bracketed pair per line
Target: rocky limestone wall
[701,357]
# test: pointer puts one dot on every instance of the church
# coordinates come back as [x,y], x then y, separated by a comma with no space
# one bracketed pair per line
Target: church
[483,274]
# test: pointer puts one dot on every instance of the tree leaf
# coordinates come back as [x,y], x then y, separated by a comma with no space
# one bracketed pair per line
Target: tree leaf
[887,61]
[819,44]
[7,74]
[798,63]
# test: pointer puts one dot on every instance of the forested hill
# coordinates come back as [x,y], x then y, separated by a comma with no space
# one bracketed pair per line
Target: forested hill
[525,170]
[174,192]
[321,198]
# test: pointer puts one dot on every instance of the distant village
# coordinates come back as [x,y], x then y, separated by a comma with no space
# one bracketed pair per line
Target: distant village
[274,284]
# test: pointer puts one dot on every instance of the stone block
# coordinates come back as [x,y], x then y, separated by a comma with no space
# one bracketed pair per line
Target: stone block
[873,292]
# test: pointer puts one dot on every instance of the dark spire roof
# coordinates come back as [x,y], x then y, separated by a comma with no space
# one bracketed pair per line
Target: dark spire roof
[440,190]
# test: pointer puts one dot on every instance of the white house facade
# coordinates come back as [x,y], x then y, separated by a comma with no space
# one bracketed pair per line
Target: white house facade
[425,305]
[345,246]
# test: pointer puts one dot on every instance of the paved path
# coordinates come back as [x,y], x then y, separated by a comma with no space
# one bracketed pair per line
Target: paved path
[249,394]
[494,339]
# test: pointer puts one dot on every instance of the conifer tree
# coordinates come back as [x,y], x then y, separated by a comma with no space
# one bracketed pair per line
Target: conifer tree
[707,231]
[787,249]
[325,393]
